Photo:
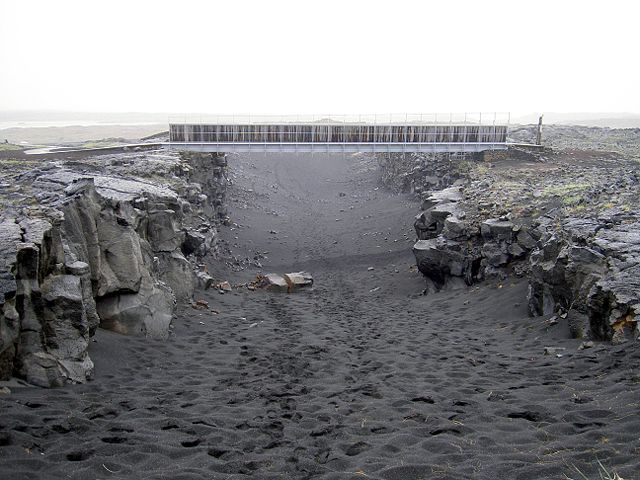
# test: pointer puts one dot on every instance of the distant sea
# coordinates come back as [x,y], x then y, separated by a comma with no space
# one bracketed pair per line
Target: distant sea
[69,123]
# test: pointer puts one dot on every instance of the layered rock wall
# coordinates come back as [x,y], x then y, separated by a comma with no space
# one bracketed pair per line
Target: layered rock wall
[47,312]
[592,268]
[104,251]
[452,246]
[570,225]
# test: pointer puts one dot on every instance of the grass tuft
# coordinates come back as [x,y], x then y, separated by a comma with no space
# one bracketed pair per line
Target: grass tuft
[603,474]
[9,147]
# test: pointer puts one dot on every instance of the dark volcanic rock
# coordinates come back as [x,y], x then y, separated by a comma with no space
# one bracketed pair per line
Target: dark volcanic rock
[10,237]
[591,268]
[439,258]
[105,251]
[50,310]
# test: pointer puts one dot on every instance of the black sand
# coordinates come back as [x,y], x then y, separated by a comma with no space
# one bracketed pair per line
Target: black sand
[361,377]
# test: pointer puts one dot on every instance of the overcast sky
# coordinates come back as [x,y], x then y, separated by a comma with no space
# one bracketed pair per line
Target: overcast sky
[320,56]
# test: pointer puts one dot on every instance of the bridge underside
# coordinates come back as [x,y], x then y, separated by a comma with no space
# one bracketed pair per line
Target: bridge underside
[353,147]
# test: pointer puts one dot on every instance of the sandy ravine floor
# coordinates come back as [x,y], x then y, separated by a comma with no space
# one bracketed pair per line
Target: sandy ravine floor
[360,377]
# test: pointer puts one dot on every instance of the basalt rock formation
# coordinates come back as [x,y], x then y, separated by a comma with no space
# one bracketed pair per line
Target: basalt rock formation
[101,250]
[47,312]
[568,220]
[452,246]
[592,268]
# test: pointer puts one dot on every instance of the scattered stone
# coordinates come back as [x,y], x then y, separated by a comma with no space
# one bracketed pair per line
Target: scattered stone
[204,280]
[272,281]
[586,345]
[289,282]
[200,305]
[299,280]
[554,350]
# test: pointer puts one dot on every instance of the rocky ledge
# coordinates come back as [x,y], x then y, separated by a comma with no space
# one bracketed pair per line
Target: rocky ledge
[588,270]
[567,219]
[111,242]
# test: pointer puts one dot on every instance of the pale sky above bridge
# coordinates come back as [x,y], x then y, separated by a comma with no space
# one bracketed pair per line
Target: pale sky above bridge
[325,56]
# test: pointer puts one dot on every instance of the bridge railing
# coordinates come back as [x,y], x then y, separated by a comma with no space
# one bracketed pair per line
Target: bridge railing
[466,118]
[349,133]
[391,128]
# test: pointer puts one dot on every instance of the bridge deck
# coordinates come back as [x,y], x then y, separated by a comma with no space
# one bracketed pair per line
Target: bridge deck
[353,147]
[337,137]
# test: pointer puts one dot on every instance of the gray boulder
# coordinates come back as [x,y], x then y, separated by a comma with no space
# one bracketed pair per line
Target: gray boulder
[454,228]
[439,258]
[446,195]
[497,230]
[288,282]
[298,280]
[437,208]
[495,255]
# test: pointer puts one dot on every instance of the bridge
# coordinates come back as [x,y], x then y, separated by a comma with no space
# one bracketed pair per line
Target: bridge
[341,133]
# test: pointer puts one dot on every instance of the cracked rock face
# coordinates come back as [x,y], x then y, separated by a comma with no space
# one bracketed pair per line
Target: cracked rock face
[104,251]
[591,267]
[44,323]
[449,246]
[128,298]
[10,237]
[566,219]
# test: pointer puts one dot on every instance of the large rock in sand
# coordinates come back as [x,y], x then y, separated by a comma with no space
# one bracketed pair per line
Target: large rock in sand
[299,280]
[288,282]
[439,258]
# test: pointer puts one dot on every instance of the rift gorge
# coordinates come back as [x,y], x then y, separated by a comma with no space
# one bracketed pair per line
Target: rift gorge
[324,299]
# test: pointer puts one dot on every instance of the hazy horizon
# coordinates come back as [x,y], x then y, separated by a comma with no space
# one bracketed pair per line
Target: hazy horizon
[61,118]
[291,57]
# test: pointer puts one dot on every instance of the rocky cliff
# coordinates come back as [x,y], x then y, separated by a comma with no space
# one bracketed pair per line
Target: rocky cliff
[47,312]
[589,271]
[567,219]
[111,241]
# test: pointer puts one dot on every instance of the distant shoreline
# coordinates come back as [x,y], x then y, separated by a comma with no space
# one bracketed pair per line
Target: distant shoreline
[74,133]
[64,124]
